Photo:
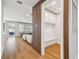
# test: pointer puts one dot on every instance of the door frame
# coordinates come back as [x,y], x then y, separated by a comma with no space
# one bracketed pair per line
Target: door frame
[65,30]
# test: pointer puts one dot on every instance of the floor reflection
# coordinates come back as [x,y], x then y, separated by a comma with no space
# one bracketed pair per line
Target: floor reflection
[10,45]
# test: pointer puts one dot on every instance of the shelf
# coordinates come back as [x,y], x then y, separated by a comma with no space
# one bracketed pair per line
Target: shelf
[50,25]
[50,22]
[50,39]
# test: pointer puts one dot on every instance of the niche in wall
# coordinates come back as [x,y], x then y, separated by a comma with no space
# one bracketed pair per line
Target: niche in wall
[50,30]
[50,23]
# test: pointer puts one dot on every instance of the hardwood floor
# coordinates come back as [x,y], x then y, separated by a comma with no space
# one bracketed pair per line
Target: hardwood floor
[24,51]
[54,51]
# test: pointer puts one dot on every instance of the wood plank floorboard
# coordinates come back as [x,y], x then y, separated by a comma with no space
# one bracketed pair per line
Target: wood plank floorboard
[25,51]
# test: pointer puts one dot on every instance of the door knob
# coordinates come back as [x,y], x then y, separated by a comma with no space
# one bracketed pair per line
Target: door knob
[36,25]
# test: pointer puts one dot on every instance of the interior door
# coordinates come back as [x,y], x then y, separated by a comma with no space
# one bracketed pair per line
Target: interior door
[36,38]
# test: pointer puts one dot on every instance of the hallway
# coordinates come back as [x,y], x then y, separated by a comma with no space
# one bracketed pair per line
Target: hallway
[25,51]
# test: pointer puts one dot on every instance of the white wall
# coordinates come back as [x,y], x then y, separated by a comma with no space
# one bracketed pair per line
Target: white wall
[73,30]
[61,32]
[2,20]
[50,27]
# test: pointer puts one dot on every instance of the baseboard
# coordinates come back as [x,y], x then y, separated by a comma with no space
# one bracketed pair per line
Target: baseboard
[2,51]
[51,42]
[58,42]
[42,54]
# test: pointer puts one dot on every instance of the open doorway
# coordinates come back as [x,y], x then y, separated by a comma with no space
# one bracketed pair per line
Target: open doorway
[52,28]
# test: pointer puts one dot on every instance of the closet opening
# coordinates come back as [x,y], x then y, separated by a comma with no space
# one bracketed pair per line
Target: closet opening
[52,28]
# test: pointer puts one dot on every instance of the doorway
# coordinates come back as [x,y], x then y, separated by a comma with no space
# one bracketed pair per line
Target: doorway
[52,27]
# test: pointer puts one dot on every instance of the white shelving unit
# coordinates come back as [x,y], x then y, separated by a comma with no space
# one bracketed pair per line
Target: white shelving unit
[50,26]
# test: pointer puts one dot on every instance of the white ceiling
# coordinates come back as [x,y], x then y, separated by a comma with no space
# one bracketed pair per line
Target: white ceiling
[29,3]
[13,10]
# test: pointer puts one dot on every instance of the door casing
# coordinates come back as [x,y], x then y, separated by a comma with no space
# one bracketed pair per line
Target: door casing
[65,30]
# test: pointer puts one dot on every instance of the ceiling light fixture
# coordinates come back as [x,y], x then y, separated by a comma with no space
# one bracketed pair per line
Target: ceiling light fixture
[53,2]
[59,8]
[19,2]
[46,14]
[27,14]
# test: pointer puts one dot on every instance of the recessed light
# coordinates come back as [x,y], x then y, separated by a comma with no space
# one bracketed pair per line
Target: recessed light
[27,14]
[46,14]
[59,8]
[19,2]
[53,2]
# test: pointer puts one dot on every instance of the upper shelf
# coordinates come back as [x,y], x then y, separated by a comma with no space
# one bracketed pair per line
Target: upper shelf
[53,6]
[51,39]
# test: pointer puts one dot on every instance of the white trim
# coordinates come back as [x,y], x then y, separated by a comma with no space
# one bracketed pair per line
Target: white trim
[72,35]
